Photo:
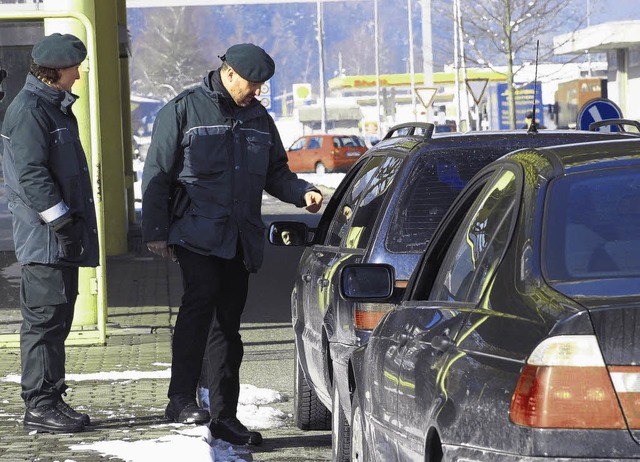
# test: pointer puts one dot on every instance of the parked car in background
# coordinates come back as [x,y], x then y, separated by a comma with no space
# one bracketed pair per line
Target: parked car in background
[518,336]
[384,211]
[321,153]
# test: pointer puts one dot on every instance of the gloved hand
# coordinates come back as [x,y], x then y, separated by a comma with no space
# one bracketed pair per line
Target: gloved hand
[70,239]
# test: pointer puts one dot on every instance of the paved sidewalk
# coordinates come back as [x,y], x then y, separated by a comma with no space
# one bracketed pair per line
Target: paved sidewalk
[144,295]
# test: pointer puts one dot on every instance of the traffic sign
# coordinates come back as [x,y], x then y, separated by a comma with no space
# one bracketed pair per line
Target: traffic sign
[596,110]
[265,94]
[426,95]
[477,87]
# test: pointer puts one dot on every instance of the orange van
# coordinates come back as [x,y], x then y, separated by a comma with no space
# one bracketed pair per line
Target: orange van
[322,153]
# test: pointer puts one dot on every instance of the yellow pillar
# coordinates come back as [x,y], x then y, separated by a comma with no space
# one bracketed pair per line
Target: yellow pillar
[103,15]
[86,313]
[125,104]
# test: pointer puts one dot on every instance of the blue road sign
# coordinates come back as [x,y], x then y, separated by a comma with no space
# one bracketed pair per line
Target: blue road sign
[596,110]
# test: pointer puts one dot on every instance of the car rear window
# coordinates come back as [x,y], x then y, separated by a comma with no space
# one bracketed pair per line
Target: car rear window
[592,226]
[434,182]
[348,142]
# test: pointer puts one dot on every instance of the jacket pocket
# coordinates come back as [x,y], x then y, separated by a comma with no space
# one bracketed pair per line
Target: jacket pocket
[201,229]
[258,148]
[63,160]
[207,151]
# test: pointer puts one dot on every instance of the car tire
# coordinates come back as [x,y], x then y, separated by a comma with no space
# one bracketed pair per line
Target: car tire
[358,435]
[340,429]
[320,168]
[308,412]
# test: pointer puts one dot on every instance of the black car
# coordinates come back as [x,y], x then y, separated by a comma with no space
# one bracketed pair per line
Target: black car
[384,211]
[518,337]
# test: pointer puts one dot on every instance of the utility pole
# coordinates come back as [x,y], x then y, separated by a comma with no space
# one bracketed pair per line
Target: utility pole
[323,102]
[427,43]
[412,67]
[377,51]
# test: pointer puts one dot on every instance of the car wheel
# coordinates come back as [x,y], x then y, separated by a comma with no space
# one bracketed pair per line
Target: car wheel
[308,412]
[358,440]
[320,168]
[340,429]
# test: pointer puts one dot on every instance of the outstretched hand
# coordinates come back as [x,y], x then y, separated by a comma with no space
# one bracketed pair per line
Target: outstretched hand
[313,200]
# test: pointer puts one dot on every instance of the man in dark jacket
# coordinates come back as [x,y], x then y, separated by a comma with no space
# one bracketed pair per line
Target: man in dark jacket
[54,224]
[214,149]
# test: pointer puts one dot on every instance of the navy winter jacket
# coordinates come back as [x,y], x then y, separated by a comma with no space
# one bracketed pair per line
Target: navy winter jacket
[224,156]
[46,175]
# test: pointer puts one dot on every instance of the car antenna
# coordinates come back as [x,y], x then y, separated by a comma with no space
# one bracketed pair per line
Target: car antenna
[533,127]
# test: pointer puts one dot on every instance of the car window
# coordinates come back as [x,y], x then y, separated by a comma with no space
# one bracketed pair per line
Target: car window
[592,226]
[360,228]
[479,243]
[433,184]
[344,213]
[347,142]
[297,145]
[314,143]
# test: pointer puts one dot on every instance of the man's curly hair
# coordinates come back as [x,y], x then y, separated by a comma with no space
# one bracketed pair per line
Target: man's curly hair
[46,74]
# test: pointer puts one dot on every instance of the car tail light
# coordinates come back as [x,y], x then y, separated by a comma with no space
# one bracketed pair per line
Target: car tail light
[367,315]
[565,384]
[626,381]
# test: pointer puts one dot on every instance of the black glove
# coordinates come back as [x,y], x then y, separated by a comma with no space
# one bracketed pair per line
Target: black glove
[70,239]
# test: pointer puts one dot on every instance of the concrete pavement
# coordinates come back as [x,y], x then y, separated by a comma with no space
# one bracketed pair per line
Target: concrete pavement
[143,298]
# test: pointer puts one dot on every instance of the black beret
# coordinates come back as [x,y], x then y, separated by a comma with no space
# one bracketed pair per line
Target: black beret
[57,51]
[250,61]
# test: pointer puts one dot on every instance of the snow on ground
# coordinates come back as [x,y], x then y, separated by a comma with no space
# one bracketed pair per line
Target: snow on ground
[185,439]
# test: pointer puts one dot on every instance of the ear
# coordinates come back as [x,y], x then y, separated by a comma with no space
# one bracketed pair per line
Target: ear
[229,73]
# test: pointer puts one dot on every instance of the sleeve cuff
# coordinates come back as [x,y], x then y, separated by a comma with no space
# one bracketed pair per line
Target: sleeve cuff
[55,212]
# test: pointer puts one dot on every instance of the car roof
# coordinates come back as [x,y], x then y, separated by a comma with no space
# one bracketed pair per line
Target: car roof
[512,139]
[572,158]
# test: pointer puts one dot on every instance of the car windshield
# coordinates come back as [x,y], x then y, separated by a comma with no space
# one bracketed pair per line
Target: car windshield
[592,226]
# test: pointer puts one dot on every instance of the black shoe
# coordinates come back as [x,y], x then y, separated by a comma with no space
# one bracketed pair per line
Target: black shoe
[184,409]
[72,413]
[50,419]
[232,431]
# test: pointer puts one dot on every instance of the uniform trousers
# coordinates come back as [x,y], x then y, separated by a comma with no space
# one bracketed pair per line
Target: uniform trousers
[47,297]
[215,292]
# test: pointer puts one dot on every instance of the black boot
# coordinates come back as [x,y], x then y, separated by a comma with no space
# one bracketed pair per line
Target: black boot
[50,419]
[72,413]
[184,409]
[231,430]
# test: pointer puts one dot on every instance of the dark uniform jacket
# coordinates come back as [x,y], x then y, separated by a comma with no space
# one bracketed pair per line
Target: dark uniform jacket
[46,175]
[224,156]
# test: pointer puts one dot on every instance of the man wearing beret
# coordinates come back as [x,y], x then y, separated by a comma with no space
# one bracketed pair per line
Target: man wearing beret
[213,151]
[54,224]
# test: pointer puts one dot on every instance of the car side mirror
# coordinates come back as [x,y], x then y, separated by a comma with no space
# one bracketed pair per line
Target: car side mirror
[288,233]
[366,281]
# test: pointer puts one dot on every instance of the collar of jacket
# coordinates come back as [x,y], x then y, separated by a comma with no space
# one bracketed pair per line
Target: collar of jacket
[213,86]
[59,98]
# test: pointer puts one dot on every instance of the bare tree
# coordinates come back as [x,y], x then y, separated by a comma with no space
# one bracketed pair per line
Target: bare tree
[505,33]
[169,54]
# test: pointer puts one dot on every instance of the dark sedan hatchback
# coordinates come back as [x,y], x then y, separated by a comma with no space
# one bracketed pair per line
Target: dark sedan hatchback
[517,338]
[384,211]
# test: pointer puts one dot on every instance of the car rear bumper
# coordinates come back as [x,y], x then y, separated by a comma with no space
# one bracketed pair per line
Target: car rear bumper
[466,454]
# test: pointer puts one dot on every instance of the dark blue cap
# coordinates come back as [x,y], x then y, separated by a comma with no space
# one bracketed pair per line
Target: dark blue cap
[250,61]
[57,51]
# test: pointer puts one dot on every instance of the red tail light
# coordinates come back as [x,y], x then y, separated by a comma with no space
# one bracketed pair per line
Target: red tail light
[565,384]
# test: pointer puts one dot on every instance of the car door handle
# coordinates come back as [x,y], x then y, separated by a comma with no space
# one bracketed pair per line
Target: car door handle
[441,342]
[322,282]
[306,277]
